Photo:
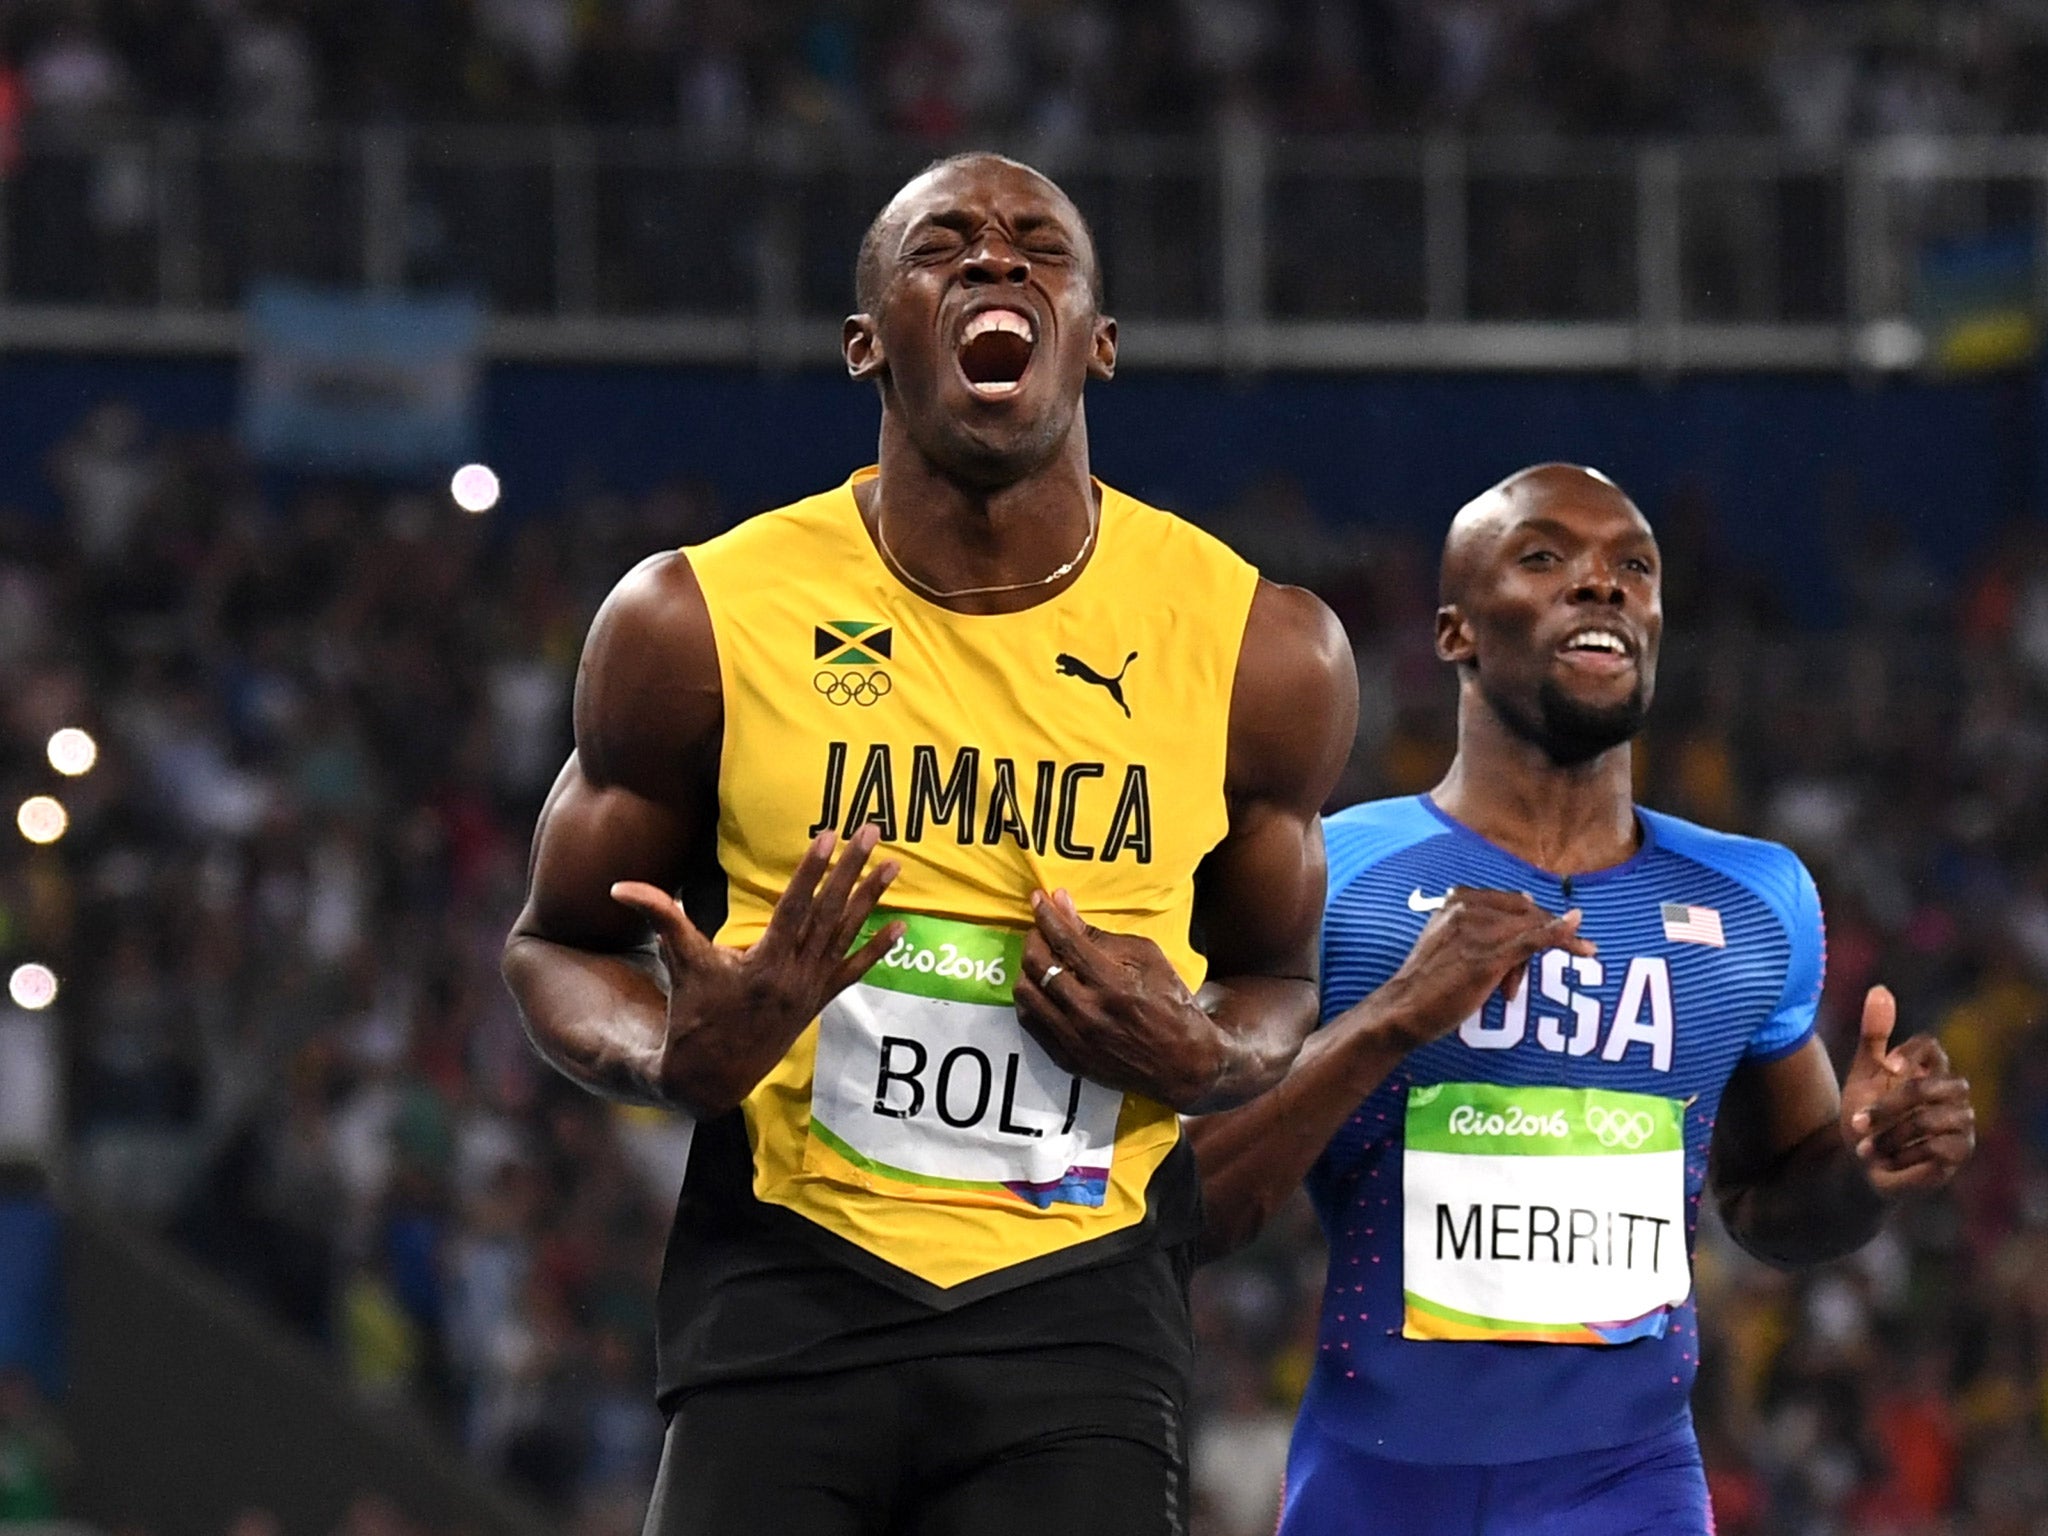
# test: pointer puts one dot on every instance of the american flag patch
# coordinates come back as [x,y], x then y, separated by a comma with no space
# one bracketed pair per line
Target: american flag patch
[1693,925]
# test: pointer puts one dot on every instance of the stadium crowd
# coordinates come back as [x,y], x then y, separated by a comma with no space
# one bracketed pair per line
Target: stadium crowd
[1047,70]
[327,717]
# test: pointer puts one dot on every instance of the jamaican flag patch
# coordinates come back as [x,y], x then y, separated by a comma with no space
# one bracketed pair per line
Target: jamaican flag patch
[852,642]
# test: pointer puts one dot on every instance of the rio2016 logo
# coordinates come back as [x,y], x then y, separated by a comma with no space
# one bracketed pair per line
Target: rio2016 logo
[1624,1128]
[947,961]
[850,687]
[1466,1120]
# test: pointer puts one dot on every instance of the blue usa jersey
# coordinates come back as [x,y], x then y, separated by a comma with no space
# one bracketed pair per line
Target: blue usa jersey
[1710,953]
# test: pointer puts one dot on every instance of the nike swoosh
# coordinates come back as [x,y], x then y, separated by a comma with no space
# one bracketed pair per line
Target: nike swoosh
[1417,902]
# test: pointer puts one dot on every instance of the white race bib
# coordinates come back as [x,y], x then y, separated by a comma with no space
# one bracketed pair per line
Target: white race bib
[926,1083]
[1547,1215]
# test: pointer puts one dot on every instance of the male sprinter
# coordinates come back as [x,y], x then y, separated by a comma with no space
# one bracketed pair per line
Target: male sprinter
[1549,1014]
[928,1267]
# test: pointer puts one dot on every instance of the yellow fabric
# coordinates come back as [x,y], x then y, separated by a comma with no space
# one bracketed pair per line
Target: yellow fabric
[1982,1032]
[811,736]
[380,1340]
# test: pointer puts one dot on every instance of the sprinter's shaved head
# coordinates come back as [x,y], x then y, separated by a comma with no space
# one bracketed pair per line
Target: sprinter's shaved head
[1491,515]
[871,266]
[1552,608]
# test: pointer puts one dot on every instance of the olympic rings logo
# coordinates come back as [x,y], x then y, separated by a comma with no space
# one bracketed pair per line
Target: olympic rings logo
[862,688]
[1626,1128]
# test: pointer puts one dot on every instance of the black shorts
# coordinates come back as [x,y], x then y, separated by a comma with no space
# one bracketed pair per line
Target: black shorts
[963,1445]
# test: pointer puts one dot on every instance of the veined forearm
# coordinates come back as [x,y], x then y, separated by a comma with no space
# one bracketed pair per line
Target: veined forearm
[1261,1022]
[1254,1157]
[599,1019]
[1814,1204]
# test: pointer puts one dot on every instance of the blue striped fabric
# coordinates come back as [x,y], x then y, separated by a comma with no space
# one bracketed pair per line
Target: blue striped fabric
[1483,1403]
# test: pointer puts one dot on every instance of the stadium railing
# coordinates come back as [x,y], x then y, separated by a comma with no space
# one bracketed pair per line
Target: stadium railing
[1244,250]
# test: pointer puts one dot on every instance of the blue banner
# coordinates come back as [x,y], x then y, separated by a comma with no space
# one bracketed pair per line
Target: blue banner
[359,383]
[1976,301]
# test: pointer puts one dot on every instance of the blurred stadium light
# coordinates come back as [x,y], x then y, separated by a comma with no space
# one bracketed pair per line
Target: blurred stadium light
[33,986]
[474,488]
[42,818]
[72,751]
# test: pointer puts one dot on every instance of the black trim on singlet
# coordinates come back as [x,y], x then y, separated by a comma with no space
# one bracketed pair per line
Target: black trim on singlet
[753,1291]
[1092,1254]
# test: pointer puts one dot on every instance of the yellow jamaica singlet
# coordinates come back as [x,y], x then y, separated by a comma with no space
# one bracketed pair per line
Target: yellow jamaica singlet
[1079,745]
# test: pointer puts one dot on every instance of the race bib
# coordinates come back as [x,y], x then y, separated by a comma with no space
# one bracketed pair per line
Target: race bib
[927,1087]
[1542,1215]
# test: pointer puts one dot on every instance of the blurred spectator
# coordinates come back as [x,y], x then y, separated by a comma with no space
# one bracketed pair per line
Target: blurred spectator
[1237,1463]
[327,724]
[380,1340]
[255,1521]
[1049,69]
[35,1459]
[369,1515]
[139,1086]
[72,75]
[31,1087]
[105,478]
[13,107]
[271,71]
[177,152]
[31,1283]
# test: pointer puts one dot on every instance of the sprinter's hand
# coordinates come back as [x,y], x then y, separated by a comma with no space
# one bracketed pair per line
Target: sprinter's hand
[1111,1008]
[733,1013]
[1477,942]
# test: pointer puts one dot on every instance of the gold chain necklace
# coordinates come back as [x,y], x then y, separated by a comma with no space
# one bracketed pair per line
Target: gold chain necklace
[1013,586]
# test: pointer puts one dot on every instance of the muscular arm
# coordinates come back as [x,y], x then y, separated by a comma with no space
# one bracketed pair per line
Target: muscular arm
[693,1025]
[636,801]
[1259,894]
[1115,1011]
[1790,1188]
[1252,1159]
[1803,1171]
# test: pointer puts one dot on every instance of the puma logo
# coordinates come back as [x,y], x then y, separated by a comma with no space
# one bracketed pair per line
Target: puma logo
[1074,666]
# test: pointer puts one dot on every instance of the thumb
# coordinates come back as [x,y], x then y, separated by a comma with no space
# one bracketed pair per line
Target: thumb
[1880,1014]
[1563,933]
[678,935]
